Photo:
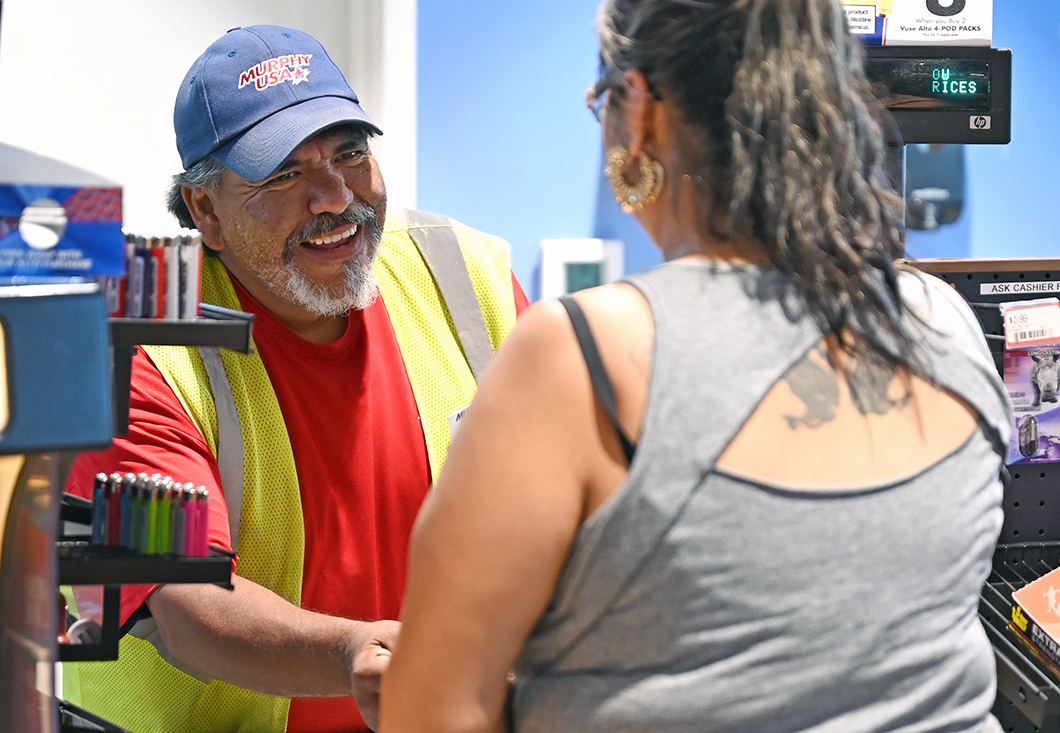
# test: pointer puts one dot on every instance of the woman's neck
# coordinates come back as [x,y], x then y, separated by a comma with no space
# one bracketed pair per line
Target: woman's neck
[678,240]
[678,231]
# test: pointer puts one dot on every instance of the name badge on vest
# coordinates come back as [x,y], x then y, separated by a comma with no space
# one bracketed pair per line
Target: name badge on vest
[454,421]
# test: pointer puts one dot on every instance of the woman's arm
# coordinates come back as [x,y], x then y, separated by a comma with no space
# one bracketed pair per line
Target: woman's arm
[530,461]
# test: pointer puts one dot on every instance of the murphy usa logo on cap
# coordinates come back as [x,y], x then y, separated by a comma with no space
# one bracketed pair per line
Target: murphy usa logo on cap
[291,67]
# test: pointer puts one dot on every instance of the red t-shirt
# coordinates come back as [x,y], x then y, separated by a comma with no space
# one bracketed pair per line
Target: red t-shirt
[361,460]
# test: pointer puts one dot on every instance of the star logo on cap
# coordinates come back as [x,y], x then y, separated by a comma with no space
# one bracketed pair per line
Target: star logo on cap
[299,75]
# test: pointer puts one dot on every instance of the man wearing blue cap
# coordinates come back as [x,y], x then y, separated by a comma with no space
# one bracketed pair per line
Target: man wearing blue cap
[371,327]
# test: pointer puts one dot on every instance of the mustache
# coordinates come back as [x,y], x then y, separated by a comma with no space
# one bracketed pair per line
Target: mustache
[359,213]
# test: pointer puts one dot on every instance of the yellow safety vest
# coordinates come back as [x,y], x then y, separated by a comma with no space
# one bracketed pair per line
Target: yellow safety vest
[143,692]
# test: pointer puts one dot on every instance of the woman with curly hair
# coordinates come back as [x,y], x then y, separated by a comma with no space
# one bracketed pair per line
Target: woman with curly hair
[755,488]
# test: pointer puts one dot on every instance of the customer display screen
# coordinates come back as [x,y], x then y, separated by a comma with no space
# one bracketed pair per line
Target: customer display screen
[928,84]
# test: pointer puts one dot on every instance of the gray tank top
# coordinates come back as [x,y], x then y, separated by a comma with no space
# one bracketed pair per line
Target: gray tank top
[693,600]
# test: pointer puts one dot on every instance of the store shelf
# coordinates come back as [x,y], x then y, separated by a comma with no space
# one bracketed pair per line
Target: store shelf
[81,563]
[1028,697]
[220,327]
[1026,684]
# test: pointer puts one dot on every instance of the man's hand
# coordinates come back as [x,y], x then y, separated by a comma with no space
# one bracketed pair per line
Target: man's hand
[371,645]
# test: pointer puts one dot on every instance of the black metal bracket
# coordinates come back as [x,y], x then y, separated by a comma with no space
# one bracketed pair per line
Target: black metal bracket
[220,327]
[81,563]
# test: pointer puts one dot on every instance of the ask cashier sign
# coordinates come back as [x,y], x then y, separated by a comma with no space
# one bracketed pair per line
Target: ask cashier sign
[921,22]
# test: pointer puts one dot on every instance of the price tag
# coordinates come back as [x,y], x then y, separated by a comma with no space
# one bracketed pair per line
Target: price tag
[1032,322]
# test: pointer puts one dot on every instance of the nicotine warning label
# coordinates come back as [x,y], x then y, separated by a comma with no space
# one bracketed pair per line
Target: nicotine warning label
[861,19]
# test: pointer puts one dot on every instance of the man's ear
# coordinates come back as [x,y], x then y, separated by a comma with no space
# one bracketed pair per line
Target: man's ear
[201,207]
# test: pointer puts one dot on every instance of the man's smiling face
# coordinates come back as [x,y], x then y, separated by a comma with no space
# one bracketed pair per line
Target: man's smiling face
[302,241]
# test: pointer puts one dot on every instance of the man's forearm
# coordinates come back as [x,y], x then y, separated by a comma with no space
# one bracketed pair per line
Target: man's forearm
[255,639]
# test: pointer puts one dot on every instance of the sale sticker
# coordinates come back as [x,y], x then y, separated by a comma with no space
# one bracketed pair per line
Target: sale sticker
[1031,322]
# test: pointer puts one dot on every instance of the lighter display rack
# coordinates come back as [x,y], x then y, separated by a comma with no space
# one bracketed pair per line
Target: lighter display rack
[82,563]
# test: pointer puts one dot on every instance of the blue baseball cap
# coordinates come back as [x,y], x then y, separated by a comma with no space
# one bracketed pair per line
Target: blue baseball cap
[255,95]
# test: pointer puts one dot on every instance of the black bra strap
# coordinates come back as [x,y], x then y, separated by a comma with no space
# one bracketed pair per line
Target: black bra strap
[597,373]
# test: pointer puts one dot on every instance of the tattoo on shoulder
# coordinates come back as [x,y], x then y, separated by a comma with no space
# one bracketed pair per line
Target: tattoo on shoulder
[816,387]
[871,383]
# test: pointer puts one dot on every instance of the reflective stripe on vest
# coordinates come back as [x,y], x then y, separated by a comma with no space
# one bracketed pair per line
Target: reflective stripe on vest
[436,240]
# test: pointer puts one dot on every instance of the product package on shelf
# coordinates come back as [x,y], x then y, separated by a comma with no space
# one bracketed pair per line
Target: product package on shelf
[1031,377]
[1031,370]
[57,222]
[1036,618]
[163,278]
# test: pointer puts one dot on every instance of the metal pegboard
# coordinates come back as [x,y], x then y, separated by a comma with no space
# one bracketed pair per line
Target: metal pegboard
[1032,499]
[1032,503]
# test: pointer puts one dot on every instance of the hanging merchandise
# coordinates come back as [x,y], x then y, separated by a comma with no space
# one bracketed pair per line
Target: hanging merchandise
[1031,369]
[921,22]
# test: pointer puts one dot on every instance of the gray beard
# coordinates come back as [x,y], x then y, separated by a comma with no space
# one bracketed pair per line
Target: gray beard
[360,292]
[360,289]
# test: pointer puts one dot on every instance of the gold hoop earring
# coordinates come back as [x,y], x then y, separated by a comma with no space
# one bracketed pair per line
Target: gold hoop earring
[633,196]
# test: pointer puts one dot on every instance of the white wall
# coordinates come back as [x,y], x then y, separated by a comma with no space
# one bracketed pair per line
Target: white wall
[92,82]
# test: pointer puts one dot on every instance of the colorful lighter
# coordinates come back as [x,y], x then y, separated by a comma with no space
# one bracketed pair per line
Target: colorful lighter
[137,513]
[151,521]
[130,489]
[125,509]
[176,521]
[113,494]
[190,520]
[165,509]
[99,513]
[202,522]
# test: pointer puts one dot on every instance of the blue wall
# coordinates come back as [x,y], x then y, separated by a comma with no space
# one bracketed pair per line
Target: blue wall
[1015,202]
[506,144]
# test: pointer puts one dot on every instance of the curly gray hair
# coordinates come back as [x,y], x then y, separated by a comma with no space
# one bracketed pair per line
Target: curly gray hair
[207,173]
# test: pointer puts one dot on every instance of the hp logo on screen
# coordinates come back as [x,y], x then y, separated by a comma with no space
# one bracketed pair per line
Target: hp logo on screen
[979,122]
